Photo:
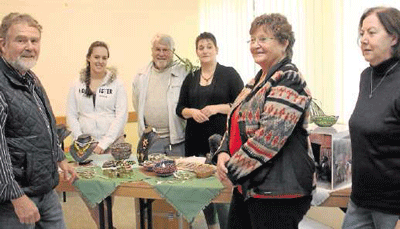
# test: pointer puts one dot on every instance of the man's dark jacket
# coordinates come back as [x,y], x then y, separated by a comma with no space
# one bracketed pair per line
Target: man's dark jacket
[31,140]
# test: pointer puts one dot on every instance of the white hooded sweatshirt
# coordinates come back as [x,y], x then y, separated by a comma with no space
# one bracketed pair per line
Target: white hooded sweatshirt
[105,120]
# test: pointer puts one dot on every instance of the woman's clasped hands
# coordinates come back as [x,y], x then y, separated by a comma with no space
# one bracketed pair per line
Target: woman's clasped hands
[203,115]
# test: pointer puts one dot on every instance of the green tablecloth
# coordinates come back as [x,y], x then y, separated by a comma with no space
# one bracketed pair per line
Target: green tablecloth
[96,189]
[188,197]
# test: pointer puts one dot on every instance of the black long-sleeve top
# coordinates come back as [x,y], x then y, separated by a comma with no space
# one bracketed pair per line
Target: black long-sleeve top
[225,86]
[375,139]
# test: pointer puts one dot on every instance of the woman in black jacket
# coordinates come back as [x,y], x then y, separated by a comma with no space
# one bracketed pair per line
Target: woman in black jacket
[205,100]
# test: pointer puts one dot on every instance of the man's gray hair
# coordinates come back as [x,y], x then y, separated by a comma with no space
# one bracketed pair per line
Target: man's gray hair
[163,39]
[15,18]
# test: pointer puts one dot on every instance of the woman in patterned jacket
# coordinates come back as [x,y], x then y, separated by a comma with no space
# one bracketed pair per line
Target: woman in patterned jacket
[265,152]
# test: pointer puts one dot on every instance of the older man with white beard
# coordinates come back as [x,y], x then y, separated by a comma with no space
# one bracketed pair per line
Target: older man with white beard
[29,149]
[156,91]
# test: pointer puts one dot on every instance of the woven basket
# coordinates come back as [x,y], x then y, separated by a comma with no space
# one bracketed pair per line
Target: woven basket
[121,151]
[165,167]
[204,171]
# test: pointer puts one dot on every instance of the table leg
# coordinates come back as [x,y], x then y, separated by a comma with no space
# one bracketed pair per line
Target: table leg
[109,212]
[149,213]
[145,206]
[64,194]
[101,215]
[142,207]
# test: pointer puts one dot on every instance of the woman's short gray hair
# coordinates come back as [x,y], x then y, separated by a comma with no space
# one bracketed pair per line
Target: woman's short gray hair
[278,25]
[163,39]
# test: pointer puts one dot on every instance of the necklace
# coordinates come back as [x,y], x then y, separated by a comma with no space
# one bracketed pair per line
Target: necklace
[384,76]
[207,79]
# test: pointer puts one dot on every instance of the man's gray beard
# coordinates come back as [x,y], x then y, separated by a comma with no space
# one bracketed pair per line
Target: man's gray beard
[23,66]
[163,63]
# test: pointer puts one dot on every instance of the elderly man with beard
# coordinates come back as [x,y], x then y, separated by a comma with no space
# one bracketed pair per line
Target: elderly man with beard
[156,91]
[30,152]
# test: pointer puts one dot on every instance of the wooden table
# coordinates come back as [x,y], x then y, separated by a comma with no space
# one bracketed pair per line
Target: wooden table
[146,193]
[141,190]
[338,199]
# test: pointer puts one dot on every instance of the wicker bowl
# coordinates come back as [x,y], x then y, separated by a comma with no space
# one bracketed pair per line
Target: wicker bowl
[148,165]
[325,120]
[165,167]
[121,151]
[204,170]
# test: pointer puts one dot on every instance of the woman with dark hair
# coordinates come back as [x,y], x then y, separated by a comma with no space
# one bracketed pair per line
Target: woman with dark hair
[97,104]
[204,101]
[265,151]
[375,125]
[206,96]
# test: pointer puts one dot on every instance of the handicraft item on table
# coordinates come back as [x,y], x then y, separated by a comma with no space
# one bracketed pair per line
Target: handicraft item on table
[213,142]
[201,170]
[164,168]
[184,175]
[82,148]
[147,139]
[148,165]
[118,168]
[204,170]
[121,151]
[318,116]
[152,159]
[86,172]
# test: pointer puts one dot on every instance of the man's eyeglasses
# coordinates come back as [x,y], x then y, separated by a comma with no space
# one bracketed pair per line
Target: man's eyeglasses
[261,40]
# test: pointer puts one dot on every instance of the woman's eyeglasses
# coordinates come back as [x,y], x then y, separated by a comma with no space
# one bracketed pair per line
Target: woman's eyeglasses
[261,40]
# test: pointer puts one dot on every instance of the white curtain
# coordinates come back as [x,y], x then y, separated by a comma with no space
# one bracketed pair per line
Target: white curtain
[294,12]
[229,21]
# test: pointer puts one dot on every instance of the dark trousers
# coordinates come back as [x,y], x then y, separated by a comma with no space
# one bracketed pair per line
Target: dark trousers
[51,214]
[266,213]
[211,211]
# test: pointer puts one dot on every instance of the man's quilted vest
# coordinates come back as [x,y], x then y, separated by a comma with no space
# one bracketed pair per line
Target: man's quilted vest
[31,140]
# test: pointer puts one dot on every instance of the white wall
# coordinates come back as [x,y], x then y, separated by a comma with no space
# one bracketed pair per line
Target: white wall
[127,26]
